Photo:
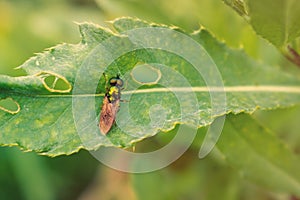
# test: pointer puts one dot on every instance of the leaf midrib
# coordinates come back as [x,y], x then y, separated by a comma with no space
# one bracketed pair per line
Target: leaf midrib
[227,89]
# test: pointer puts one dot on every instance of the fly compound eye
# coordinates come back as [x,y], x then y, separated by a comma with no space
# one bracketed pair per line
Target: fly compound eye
[113,81]
[120,82]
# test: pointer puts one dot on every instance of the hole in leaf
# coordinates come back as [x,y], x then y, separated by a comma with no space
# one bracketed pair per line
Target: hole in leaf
[9,105]
[54,82]
[146,74]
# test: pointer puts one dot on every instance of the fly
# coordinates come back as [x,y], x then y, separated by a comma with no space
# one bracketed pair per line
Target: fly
[111,104]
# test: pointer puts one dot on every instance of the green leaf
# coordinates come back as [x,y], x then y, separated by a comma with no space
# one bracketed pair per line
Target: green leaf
[55,109]
[189,178]
[277,21]
[259,155]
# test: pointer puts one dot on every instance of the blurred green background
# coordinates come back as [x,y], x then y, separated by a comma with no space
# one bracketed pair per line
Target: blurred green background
[28,27]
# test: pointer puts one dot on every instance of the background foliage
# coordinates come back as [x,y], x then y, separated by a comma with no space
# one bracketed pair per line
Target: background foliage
[31,26]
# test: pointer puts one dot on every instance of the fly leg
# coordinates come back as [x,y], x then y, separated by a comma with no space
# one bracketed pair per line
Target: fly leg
[106,82]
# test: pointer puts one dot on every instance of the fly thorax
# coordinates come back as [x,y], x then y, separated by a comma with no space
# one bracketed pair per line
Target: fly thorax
[114,93]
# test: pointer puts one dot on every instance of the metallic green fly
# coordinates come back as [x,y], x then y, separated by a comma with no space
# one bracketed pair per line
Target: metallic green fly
[111,104]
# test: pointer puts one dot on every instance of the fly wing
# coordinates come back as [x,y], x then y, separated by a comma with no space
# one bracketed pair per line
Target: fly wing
[107,115]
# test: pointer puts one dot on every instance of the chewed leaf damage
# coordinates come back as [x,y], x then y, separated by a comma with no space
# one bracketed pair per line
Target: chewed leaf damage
[139,71]
[10,106]
[54,82]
